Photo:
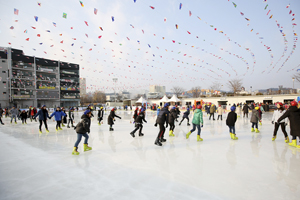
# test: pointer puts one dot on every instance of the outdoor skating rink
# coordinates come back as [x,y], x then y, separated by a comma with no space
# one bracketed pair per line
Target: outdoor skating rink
[41,166]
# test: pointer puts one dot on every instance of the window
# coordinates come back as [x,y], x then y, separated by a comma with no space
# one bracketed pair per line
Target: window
[4,92]
[4,82]
[3,61]
[3,72]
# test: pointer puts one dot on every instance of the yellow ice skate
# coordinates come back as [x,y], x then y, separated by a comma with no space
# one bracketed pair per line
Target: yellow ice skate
[234,137]
[47,130]
[59,128]
[56,129]
[256,130]
[293,143]
[40,132]
[199,138]
[252,129]
[86,147]
[75,152]
[274,138]
[15,122]
[188,135]
[171,134]
[230,135]
[62,125]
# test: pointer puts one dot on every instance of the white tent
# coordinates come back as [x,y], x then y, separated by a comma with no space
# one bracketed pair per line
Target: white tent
[142,100]
[174,99]
[164,99]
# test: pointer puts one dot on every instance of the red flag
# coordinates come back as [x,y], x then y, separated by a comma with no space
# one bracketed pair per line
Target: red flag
[99,36]
[39,35]
[27,39]
[62,41]
[189,32]
[190,13]
[33,27]
[86,23]
[152,7]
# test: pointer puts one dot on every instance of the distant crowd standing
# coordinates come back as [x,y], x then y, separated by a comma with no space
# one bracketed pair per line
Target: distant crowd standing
[167,116]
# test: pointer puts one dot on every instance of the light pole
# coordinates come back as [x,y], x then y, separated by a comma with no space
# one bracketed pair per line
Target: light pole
[222,89]
[251,90]
[293,83]
[115,80]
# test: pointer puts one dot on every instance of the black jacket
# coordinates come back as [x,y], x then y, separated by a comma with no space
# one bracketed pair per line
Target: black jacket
[177,111]
[139,119]
[186,114]
[100,113]
[172,116]
[246,109]
[23,115]
[135,115]
[71,114]
[163,116]
[111,117]
[84,125]
[231,118]
[293,113]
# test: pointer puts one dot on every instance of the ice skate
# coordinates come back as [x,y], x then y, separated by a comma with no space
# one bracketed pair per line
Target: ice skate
[260,123]
[171,134]
[47,130]
[56,129]
[188,135]
[287,140]
[62,125]
[68,126]
[179,124]
[75,152]
[230,135]
[86,147]
[199,139]
[293,143]
[40,131]
[25,122]
[162,139]
[59,128]
[274,138]
[132,134]
[15,122]
[234,137]
[256,130]
[141,134]
[188,124]
[111,129]
[157,142]
[252,129]
[99,123]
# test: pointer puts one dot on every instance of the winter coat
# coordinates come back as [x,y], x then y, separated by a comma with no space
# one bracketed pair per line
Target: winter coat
[198,117]
[58,115]
[277,114]
[84,125]
[100,113]
[135,115]
[246,109]
[23,115]
[42,114]
[231,118]
[177,111]
[111,117]
[255,116]
[33,112]
[14,111]
[163,116]
[140,118]
[71,114]
[220,111]
[293,113]
[186,114]
[172,116]
[207,109]
[212,109]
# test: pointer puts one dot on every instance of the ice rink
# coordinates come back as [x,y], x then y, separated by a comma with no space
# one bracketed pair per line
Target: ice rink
[41,166]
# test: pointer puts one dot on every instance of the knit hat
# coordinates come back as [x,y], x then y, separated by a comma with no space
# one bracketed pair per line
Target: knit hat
[86,112]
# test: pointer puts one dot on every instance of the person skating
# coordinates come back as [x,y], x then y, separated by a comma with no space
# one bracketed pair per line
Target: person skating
[277,114]
[220,112]
[100,115]
[212,111]
[1,114]
[135,114]
[246,110]
[157,113]
[14,113]
[82,128]
[58,114]
[230,122]
[64,118]
[33,113]
[197,122]
[177,113]
[111,119]
[90,107]
[293,113]
[43,115]
[186,116]
[6,112]
[161,119]
[139,123]
[172,117]
[71,117]
[23,117]
[239,110]
[255,118]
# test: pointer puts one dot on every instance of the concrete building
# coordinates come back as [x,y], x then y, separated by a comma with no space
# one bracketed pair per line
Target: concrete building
[156,91]
[32,81]
[82,86]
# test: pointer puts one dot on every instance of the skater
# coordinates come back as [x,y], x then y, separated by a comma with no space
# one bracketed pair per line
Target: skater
[293,113]
[43,115]
[186,116]
[230,122]
[255,119]
[6,112]
[33,113]
[136,114]
[277,114]
[139,123]
[162,118]
[207,109]
[239,110]
[197,122]
[220,111]
[177,113]
[212,111]
[246,110]
[172,118]
[82,128]
[64,118]
[71,117]
[23,116]
[1,114]
[157,113]
[111,119]
[100,116]
[14,112]
[58,114]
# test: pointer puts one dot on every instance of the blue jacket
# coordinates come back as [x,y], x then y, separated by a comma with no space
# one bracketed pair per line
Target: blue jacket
[58,115]
[186,114]
[42,114]
[157,112]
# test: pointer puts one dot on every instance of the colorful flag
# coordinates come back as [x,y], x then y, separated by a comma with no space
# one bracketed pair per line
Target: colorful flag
[188,32]
[65,15]
[27,39]
[81,3]
[25,31]
[39,4]
[180,6]
[234,4]
[86,23]
[36,18]
[247,19]
[54,24]
[11,27]
[176,26]
[95,11]
[266,6]
[16,11]
[134,1]
[242,14]
[101,28]
[288,6]
[165,19]
[271,17]
[190,13]
[99,36]
[112,18]
[152,7]
[268,12]
[290,12]
[39,35]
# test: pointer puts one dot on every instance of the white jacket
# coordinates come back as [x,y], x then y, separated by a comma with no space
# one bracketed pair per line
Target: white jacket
[220,111]
[277,114]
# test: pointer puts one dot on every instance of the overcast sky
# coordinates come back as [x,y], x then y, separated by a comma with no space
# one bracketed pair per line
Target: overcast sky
[215,41]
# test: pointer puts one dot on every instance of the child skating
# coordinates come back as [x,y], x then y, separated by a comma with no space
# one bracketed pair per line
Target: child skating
[293,113]
[197,122]
[23,116]
[58,114]
[14,113]
[82,128]
[277,114]
[43,116]
[161,119]
[172,118]
[71,117]
[139,123]
[230,122]
[255,119]
[220,112]
[111,119]
[100,116]
[186,116]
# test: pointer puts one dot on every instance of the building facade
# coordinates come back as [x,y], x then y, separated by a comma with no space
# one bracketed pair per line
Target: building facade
[32,81]
[82,86]
[156,91]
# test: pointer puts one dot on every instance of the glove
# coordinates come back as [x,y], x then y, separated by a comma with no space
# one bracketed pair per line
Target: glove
[145,121]
[272,122]
[88,132]
[120,117]
[202,126]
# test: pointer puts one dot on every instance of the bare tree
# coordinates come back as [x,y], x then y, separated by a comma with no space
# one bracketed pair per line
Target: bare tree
[85,99]
[99,97]
[297,77]
[177,90]
[235,85]
[196,91]
[215,86]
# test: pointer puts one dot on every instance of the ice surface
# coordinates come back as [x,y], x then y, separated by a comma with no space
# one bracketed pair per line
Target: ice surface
[40,166]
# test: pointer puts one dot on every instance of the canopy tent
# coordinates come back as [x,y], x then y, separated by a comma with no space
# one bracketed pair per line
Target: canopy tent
[141,100]
[164,99]
[174,99]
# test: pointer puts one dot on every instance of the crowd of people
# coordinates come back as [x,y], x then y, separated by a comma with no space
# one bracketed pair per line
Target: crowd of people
[166,117]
